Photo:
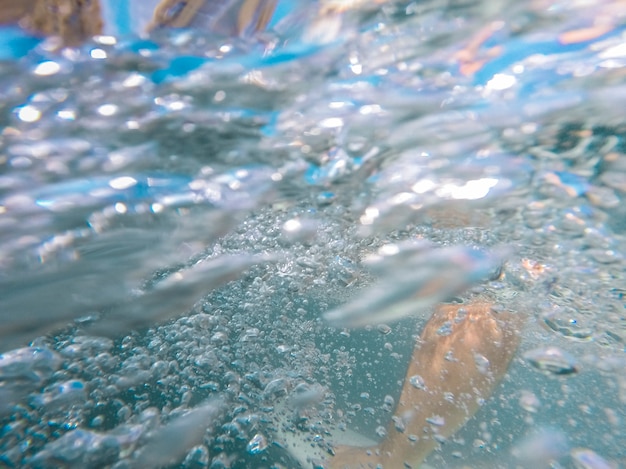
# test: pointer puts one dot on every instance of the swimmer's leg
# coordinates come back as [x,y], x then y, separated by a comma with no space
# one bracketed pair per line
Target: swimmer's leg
[461,356]
[14,10]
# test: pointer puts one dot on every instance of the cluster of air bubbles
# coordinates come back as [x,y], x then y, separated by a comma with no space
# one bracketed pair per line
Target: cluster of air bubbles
[199,226]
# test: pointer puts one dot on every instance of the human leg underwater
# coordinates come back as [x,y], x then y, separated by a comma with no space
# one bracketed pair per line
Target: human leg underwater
[460,357]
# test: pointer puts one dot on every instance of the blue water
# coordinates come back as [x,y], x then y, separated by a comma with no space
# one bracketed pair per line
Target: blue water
[179,213]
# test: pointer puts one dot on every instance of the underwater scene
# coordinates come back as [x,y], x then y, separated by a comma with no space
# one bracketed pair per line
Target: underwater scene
[313,234]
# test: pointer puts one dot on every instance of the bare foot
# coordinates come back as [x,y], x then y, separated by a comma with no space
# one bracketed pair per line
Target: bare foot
[461,356]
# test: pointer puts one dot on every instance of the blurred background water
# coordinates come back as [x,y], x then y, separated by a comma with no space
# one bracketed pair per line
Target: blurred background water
[193,219]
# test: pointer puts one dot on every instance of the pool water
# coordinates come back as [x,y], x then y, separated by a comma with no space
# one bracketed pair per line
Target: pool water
[194,228]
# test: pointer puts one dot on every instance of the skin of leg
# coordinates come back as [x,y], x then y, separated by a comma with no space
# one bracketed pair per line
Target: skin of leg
[462,354]
[255,15]
[14,10]
[74,21]
[166,15]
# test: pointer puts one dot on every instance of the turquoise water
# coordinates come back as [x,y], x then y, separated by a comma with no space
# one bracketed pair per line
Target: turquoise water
[188,222]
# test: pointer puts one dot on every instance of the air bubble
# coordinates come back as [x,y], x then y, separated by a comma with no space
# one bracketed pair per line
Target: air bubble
[436,420]
[398,424]
[381,432]
[257,444]
[417,382]
[552,360]
[585,458]
[482,363]
[388,403]
[529,401]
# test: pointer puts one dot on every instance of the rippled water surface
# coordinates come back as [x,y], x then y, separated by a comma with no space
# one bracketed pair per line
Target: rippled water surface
[195,221]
